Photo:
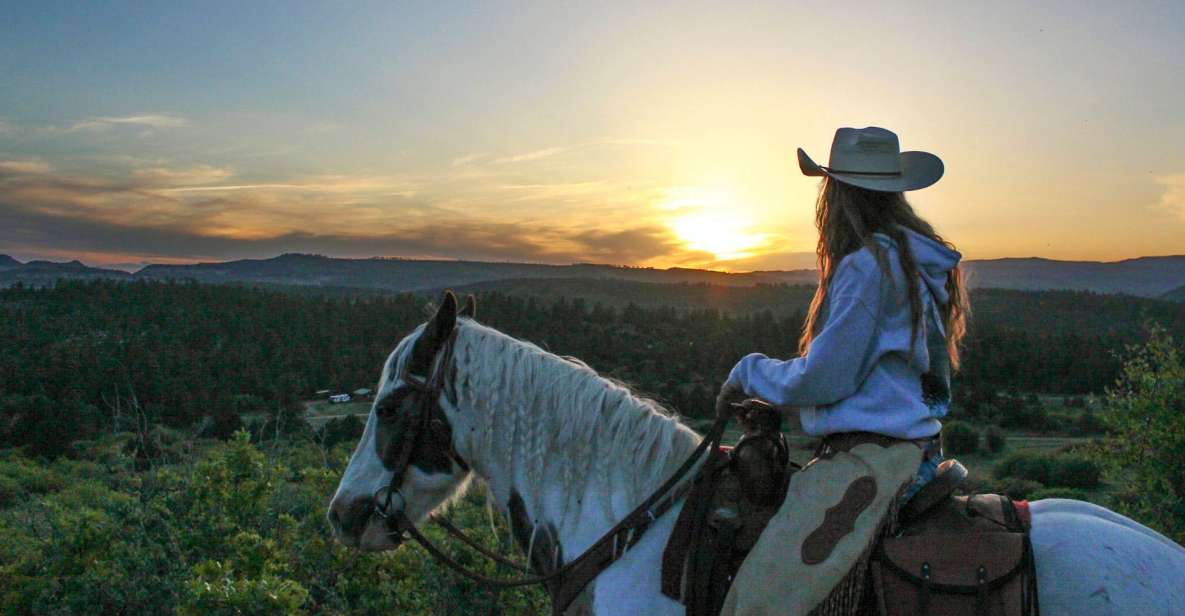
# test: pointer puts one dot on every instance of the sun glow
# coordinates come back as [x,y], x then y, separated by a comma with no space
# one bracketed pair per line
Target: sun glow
[710,221]
[722,235]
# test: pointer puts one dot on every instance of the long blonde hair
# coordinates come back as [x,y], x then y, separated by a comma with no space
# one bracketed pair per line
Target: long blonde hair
[846,217]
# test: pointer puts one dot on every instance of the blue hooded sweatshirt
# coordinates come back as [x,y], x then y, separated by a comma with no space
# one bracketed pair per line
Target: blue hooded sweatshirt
[861,373]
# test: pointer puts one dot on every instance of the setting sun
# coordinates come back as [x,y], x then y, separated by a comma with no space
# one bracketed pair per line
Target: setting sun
[722,234]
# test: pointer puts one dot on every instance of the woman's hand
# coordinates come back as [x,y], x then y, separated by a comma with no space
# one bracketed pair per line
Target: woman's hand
[730,393]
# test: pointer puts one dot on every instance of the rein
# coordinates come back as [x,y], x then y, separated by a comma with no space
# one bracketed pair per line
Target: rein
[573,576]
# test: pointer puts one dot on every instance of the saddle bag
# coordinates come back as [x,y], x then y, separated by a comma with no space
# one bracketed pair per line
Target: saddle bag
[971,556]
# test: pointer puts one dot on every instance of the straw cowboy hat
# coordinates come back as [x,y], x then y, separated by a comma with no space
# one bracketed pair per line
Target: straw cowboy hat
[872,158]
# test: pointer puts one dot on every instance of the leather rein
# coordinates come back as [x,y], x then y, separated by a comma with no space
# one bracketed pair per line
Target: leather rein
[572,577]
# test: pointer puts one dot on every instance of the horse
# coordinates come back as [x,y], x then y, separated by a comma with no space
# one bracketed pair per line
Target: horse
[566,454]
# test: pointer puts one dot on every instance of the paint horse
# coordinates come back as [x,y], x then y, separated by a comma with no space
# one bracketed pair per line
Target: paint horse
[567,454]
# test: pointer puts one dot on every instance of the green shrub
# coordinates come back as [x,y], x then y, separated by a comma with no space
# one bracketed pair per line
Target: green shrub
[1076,472]
[1089,423]
[231,529]
[1065,471]
[346,429]
[960,437]
[994,439]
[217,588]
[1071,493]
[1020,414]
[1026,465]
[1019,489]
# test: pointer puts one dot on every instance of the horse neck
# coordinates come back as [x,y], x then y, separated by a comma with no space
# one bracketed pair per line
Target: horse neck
[579,451]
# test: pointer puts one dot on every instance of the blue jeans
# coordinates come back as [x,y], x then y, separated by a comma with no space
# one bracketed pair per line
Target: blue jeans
[926,472]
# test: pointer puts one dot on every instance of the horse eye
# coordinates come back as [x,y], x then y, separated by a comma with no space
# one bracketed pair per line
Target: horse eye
[391,404]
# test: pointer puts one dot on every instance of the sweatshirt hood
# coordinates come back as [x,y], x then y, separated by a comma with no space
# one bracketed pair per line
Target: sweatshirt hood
[934,262]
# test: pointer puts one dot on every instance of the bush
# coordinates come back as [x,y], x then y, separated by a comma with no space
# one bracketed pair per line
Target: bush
[347,429]
[1070,493]
[232,529]
[1019,414]
[1089,423]
[1076,472]
[1025,465]
[1065,471]
[994,439]
[960,437]
[1018,489]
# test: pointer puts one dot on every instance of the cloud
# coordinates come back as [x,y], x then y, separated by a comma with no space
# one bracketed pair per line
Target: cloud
[543,153]
[167,213]
[148,120]
[196,175]
[533,155]
[468,240]
[5,127]
[468,159]
[26,167]
[1173,198]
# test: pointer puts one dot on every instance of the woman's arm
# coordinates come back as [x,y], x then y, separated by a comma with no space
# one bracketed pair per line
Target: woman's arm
[839,357]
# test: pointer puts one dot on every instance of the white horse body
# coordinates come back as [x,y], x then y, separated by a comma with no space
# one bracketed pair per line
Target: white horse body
[1090,562]
[582,451]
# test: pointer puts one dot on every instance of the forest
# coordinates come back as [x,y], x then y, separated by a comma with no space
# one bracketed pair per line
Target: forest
[87,357]
[154,455]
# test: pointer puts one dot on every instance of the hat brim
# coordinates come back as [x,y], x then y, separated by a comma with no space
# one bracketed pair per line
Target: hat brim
[918,170]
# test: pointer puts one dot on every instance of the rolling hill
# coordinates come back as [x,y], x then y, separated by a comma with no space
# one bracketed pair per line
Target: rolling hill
[415,275]
[41,273]
[1154,277]
[1145,277]
[1176,295]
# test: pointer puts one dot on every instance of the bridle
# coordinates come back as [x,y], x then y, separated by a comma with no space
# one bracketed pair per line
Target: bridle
[570,578]
[428,419]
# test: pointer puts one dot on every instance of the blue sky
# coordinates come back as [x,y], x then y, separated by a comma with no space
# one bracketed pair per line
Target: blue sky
[640,133]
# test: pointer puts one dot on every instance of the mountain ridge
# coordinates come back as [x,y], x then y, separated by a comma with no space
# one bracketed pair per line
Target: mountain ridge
[1156,276]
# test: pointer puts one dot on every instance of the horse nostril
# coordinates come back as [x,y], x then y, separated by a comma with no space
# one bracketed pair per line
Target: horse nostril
[349,517]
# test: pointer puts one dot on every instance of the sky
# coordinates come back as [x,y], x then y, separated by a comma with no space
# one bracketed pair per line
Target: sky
[637,133]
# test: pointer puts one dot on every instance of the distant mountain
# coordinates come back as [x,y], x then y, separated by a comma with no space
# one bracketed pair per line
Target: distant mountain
[1145,277]
[1176,295]
[416,275]
[42,273]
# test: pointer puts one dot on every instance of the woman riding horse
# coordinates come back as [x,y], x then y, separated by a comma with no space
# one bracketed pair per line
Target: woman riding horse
[872,381]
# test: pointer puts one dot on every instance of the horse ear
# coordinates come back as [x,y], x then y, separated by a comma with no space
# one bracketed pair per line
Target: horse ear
[438,329]
[470,308]
[445,319]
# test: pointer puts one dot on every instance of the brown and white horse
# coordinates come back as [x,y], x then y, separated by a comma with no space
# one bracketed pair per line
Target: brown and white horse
[571,453]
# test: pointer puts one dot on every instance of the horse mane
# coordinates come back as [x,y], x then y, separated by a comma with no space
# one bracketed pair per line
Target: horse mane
[541,416]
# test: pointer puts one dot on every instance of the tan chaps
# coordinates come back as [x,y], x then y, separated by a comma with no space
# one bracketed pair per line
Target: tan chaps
[812,542]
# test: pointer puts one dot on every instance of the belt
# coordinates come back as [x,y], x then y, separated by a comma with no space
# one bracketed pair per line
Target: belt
[845,441]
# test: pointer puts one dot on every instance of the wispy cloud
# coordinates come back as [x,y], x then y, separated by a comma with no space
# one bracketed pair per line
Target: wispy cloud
[145,120]
[533,155]
[27,167]
[157,211]
[191,176]
[1173,198]
[468,159]
[550,152]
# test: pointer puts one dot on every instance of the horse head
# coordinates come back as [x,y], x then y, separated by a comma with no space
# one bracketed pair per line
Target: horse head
[405,463]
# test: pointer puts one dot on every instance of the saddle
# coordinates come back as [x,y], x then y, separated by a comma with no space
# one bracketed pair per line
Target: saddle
[942,554]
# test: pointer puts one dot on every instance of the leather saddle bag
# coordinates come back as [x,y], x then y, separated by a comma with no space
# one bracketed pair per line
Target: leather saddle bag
[971,556]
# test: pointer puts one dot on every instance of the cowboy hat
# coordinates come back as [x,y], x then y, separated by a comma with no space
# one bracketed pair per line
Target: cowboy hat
[871,158]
